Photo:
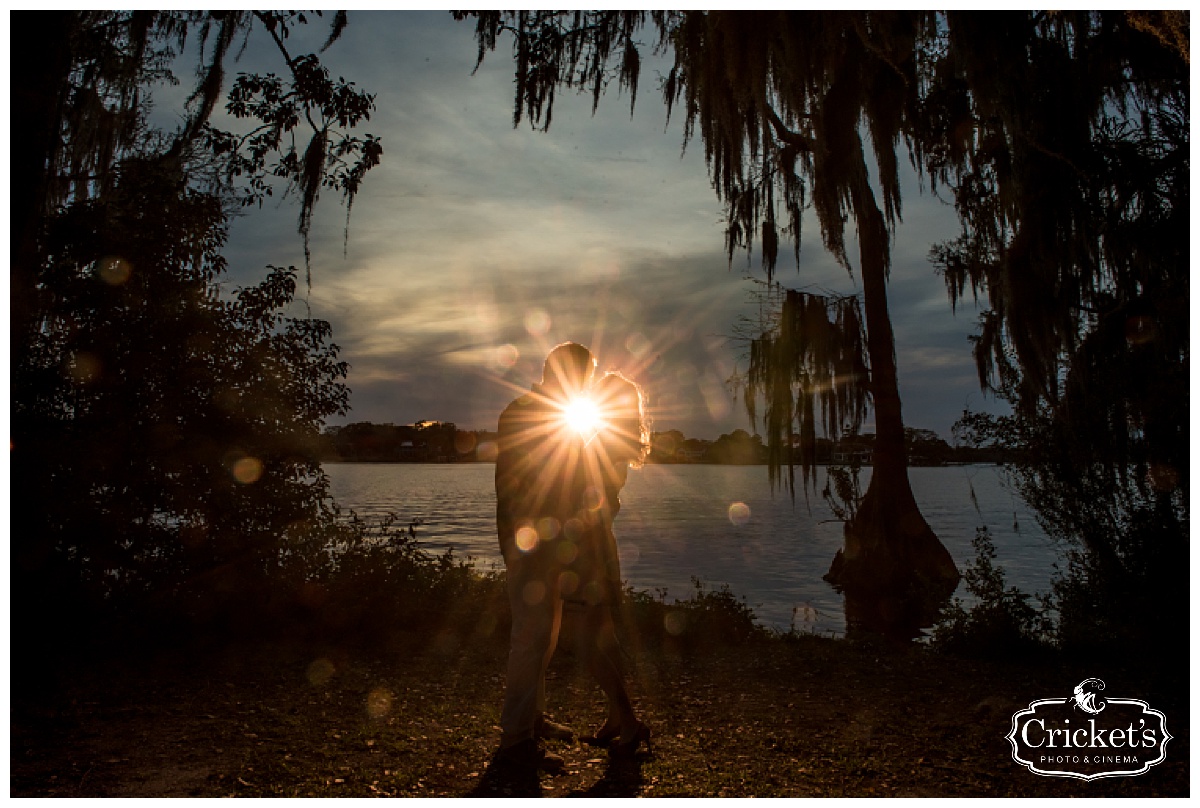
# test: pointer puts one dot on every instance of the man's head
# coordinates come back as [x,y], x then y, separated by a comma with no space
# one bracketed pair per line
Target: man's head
[569,369]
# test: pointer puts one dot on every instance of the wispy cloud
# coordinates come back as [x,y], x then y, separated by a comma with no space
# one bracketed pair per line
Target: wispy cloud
[475,247]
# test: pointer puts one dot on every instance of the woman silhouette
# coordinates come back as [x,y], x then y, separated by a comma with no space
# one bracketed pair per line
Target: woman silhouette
[622,440]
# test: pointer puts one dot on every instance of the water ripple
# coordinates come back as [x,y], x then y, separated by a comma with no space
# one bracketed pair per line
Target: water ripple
[675,524]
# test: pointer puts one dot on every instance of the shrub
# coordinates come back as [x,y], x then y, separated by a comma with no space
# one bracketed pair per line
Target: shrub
[708,617]
[1002,622]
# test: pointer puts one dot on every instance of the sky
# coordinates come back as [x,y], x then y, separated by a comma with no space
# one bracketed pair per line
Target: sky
[475,247]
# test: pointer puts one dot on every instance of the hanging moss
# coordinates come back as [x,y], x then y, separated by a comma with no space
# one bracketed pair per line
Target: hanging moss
[811,370]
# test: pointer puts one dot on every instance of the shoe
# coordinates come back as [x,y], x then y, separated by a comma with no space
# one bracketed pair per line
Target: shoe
[626,749]
[552,730]
[603,738]
[528,755]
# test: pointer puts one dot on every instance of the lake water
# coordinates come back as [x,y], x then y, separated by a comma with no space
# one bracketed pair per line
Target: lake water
[675,524]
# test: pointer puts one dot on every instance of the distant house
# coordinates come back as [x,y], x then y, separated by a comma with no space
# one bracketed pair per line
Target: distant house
[858,449]
[852,454]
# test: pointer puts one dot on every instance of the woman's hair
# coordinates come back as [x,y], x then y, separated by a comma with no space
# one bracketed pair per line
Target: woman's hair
[626,400]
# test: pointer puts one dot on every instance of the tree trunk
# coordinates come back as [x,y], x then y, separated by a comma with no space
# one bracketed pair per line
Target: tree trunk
[39,76]
[40,71]
[890,550]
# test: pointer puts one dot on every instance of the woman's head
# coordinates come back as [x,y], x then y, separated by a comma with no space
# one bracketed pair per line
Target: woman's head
[626,434]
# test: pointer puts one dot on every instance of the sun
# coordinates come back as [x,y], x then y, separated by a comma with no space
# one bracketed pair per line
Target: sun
[582,415]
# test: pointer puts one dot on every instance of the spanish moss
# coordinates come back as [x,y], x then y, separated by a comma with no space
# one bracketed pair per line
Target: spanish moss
[811,371]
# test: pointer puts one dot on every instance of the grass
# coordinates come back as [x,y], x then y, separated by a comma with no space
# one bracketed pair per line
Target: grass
[416,716]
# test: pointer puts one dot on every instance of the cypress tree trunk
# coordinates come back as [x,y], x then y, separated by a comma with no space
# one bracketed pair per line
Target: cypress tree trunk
[890,549]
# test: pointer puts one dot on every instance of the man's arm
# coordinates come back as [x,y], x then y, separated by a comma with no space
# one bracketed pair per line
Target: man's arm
[511,469]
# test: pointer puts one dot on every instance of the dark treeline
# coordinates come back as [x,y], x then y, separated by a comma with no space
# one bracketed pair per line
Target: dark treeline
[422,442]
[444,442]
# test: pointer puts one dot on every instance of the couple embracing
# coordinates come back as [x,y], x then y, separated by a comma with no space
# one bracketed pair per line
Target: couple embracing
[564,451]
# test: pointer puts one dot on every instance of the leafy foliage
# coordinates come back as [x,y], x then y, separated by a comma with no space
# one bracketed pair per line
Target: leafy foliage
[377,580]
[706,618]
[572,49]
[1125,537]
[96,108]
[842,492]
[1071,179]
[1002,623]
[180,425]
[332,159]
[165,428]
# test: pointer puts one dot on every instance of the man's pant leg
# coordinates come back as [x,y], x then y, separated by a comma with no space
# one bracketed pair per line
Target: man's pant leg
[536,617]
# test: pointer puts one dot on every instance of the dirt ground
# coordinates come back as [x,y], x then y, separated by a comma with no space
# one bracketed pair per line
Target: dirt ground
[801,717]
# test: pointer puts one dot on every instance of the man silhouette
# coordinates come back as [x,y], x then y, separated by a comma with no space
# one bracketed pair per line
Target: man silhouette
[536,464]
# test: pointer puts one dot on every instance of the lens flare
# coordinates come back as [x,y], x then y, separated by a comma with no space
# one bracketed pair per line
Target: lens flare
[582,415]
[638,345]
[593,593]
[247,470]
[379,703]
[568,583]
[573,531]
[739,513]
[533,593]
[115,271]
[505,356]
[84,367]
[593,498]
[566,552]
[320,671]
[548,528]
[675,623]
[464,442]
[527,538]
[537,322]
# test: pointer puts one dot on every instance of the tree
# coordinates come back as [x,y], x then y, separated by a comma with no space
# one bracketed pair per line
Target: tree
[926,447]
[1063,138]
[665,445]
[176,428]
[1071,177]
[781,102]
[82,84]
[736,448]
[1072,184]
[165,430]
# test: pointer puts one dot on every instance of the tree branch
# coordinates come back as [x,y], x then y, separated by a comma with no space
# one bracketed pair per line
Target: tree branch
[291,63]
[784,133]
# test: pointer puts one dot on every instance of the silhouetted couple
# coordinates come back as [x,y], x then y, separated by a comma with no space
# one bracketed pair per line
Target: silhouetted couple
[564,451]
